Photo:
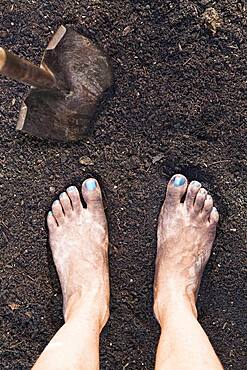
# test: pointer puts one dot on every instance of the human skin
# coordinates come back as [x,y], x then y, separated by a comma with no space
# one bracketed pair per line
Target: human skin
[79,243]
[186,232]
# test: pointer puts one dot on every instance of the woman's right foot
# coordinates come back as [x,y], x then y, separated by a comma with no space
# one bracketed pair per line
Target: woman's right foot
[79,243]
[186,232]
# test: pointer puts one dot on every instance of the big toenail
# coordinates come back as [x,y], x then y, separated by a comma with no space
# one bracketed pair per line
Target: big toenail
[72,188]
[178,181]
[90,184]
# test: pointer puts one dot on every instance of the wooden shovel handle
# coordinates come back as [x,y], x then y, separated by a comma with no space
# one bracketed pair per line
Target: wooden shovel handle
[21,70]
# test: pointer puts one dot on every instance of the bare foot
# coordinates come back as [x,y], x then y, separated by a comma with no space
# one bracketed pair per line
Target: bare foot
[186,232]
[79,243]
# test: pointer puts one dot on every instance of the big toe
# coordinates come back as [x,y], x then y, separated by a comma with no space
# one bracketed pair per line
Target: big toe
[92,195]
[175,190]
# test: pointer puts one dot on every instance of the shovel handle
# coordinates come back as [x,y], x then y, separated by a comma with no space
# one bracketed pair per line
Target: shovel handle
[21,70]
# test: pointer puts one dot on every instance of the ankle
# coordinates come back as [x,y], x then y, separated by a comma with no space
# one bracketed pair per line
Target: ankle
[93,311]
[173,303]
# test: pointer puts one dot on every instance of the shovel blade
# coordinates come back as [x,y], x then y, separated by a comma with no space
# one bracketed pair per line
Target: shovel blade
[83,73]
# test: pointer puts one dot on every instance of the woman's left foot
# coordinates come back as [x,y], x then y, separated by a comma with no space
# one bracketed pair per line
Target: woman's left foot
[186,232]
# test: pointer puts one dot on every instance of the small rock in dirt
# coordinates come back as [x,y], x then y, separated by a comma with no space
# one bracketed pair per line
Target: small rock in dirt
[3,34]
[86,161]
[126,31]
[157,158]
[28,314]
[14,306]
[212,20]
[52,189]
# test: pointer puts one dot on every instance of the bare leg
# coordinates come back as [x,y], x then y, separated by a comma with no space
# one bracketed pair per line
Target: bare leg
[79,242]
[186,233]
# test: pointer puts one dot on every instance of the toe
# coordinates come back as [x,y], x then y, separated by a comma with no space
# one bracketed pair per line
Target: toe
[214,216]
[175,190]
[74,196]
[191,194]
[200,199]
[57,212]
[92,195]
[208,206]
[66,203]
[51,221]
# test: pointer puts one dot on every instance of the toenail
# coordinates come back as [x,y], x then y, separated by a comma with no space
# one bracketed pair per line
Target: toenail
[72,188]
[63,194]
[196,183]
[56,202]
[50,213]
[178,181]
[90,184]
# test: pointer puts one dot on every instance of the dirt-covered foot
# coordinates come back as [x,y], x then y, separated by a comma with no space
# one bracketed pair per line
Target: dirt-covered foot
[79,243]
[186,232]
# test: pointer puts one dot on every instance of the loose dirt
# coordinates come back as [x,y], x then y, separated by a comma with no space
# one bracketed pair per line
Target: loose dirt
[177,106]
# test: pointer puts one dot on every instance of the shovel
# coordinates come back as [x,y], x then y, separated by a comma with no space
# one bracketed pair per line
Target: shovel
[65,90]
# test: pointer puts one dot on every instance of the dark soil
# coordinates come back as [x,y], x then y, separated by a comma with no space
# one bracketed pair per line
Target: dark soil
[177,106]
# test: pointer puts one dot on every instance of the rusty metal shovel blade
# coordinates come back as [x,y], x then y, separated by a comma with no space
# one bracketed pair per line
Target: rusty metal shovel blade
[66,89]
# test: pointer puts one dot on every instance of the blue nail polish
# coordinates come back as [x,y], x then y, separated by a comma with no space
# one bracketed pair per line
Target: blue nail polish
[50,213]
[178,181]
[63,194]
[90,184]
[56,201]
[72,188]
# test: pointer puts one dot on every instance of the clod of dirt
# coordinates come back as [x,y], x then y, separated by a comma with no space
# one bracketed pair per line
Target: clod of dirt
[14,306]
[86,161]
[212,20]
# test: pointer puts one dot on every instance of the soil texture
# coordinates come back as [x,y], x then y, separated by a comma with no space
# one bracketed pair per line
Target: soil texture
[177,105]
